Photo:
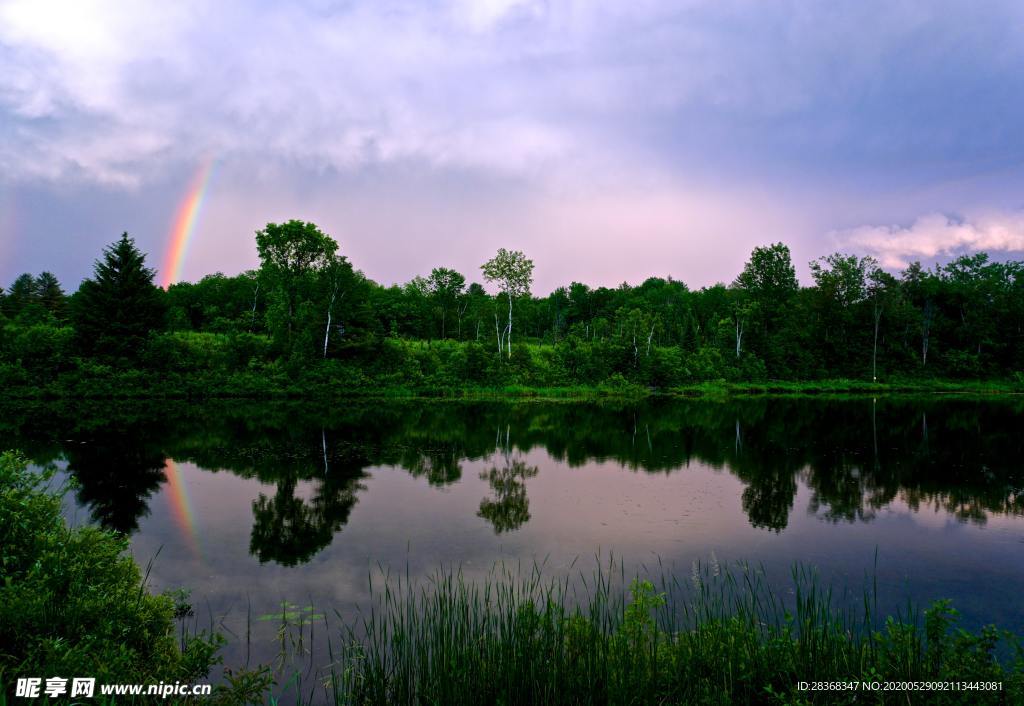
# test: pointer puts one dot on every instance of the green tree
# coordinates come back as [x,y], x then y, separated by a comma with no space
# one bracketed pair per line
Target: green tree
[769,273]
[883,292]
[115,311]
[216,303]
[50,295]
[979,293]
[446,287]
[21,295]
[580,309]
[416,307]
[769,282]
[922,288]
[513,273]
[743,309]
[477,306]
[290,253]
[842,286]
[337,280]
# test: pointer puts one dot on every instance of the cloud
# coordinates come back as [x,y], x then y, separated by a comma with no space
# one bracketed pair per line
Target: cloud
[113,92]
[937,235]
[613,139]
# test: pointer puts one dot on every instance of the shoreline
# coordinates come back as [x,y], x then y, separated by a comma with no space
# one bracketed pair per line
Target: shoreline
[137,387]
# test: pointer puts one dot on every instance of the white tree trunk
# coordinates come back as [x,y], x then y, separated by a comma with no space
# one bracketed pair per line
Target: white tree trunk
[330,313]
[255,294]
[323,441]
[460,311]
[508,338]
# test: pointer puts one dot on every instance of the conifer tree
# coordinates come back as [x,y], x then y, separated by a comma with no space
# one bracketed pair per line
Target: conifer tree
[119,306]
[50,295]
[21,295]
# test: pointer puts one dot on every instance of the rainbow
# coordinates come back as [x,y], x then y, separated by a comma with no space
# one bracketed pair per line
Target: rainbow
[185,224]
[181,506]
[7,222]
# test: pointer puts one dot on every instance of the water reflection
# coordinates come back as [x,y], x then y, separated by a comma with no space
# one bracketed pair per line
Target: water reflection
[856,456]
[509,509]
[118,469]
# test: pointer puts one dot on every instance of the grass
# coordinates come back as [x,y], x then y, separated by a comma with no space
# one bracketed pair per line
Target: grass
[719,636]
[711,388]
[847,386]
[157,387]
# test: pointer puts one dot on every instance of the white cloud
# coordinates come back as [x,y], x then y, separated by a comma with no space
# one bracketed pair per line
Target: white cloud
[936,235]
[478,120]
[114,91]
[485,14]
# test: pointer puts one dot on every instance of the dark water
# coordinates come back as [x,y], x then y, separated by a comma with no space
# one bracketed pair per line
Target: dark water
[251,505]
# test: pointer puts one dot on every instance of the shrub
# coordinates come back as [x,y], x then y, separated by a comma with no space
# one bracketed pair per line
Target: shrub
[72,601]
[42,350]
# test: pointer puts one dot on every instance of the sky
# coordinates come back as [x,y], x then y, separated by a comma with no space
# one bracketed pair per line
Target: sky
[610,141]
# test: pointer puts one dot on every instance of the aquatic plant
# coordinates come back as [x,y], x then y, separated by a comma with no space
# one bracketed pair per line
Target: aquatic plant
[721,636]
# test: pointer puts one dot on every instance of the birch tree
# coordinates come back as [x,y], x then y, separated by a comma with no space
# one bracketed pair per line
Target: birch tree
[513,273]
[335,273]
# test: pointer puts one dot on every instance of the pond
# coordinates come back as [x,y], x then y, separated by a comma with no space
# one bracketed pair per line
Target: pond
[249,505]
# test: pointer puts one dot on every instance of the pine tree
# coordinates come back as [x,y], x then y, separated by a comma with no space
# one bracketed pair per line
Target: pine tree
[50,295]
[115,311]
[21,294]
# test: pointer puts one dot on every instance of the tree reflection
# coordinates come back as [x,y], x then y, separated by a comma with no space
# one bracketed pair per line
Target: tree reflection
[439,466]
[768,500]
[286,528]
[509,509]
[854,456]
[116,473]
[289,530]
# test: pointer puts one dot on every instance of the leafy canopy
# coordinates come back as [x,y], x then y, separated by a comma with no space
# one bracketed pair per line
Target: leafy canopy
[511,270]
[290,250]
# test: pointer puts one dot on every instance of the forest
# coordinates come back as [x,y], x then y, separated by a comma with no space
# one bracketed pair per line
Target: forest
[307,321]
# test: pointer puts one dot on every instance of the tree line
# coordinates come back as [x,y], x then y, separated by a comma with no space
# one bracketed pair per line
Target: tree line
[306,311]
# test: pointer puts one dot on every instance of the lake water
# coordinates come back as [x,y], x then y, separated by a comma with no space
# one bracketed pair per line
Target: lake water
[250,505]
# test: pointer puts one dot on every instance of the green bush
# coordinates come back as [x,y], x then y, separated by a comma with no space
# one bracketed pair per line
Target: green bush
[37,361]
[42,350]
[72,600]
[708,364]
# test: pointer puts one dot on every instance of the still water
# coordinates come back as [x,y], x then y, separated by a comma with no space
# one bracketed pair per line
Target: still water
[249,505]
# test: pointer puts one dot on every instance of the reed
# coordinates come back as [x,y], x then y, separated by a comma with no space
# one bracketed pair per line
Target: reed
[719,636]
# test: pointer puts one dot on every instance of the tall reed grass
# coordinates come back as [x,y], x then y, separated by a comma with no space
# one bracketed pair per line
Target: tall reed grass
[719,636]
